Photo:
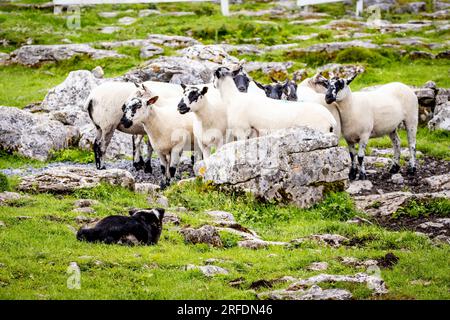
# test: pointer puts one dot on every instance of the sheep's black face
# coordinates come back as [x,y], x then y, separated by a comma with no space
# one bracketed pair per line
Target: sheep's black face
[129,110]
[191,99]
[289,91]
[335,85]
[241,80]
[273,91]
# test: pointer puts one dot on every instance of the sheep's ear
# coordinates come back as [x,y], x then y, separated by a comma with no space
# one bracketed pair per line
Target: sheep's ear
[152,100]
[204,91]
[145,88]
[349,80]
[273,80]
[236,72]
[261,86]
[320,79]
[183,86]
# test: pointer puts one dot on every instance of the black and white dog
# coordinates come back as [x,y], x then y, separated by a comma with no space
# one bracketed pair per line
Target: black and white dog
[143,226]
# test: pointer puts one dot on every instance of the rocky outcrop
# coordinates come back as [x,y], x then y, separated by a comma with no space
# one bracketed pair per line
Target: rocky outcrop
[35,55]
[68,179]
[441,117]
[31,135]
[333,47]
[294,165]
[172,41]
[206,234]
[212,53]
[388,203]
[313,293]
[175,70]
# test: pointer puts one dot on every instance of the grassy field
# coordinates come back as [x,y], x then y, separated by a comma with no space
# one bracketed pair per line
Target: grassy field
[36,268]
[36,252]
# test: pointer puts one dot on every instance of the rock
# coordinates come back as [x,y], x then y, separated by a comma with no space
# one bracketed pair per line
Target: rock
[413,7]
[150,50]
[206,234]
[313,293]
[440,182]
[110,29]
[388,203]
[146,188]
[445,221]
[443,55]
[179,13]
[4,59]
[421,55]
[172,218]
[172,41]
[270,68]
[162,201]
[344,25]
[341,71]
[126,21]
[212,53]
[69,97]
[83,203]
[441,118]
[373,282]
[221,216]
[426,96]
[111,14]
[354,262]
[318,266]
[98,72]
[397,178]
[7,196]
[175,70]
[441,239]
[148,12]
[35,55]
[84,219]
[431,225]
[253,244]
[20,218]
[334,240]
[31,135]
[208,271]
[293,166]
[334,47]
[241,48]
[359,186]
[70,178]
[86,210]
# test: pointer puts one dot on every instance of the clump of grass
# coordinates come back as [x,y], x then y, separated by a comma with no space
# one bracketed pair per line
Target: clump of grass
[73,155]
[424,208]
[4,183]
[337,206]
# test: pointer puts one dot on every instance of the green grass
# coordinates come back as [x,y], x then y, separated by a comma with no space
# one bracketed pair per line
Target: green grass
[37,252]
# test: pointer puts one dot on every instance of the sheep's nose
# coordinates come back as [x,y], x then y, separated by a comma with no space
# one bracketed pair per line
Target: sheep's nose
[242,89]
[183,108]
[329,99]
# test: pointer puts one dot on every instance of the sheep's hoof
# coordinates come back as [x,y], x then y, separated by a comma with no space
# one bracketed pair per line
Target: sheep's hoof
[103,167]
[352,174]
[192,159]
[148,167]
[362,176]
[411,170]
[138,165]
[395,168]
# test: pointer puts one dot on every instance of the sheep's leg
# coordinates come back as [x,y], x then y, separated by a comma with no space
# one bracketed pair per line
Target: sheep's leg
[175,155]
[101,145]
[164,162]
[411,131]
[361,153]
[97,150]
[138,161]
[148,162]
[396,145]
[353,168]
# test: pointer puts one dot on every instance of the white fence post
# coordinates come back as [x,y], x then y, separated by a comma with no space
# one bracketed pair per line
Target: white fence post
[305,3]
[224,6]
[359,7]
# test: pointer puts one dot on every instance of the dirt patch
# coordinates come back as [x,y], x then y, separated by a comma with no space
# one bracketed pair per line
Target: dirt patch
[414,223]
[388,261]
[427,167]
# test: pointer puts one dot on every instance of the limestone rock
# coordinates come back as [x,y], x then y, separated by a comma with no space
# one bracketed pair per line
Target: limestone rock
[84,210]
[318,266]
[206,234]
[127,20]
[83,203]
[221,216]
[440,182]
[110,29]
[146,188]
[6,196]
[292,165]
[31,135]
[334,240]
[150,50]
[359,186]
[397,179]
[35,55]
[209,270]
[148,12]
[441,118]
[70,178]
[213,53]
[172,41]
[313,293]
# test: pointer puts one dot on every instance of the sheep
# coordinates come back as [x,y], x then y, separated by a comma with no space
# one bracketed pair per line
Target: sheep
[373,114]
[170,133]
[250,114]
[279,90]
[210,115]
[104,106]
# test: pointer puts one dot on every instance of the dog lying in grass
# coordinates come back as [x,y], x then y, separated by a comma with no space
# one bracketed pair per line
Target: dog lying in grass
[142,226]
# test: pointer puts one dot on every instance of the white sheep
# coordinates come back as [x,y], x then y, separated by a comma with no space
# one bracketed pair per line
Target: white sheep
[169,132]
[210,115]
[373,114]
[250,114]
[104,106]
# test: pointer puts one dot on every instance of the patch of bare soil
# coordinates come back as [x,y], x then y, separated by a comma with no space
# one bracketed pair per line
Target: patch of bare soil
[427,167]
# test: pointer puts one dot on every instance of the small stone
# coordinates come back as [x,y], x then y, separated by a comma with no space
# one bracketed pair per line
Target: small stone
[148,12]
[359,221]
[441,239]
[334,240]
[146,188]
[209,271]
[84,219]
[110,29]
[170,217]
[359,186]
[318,266]
[127,21]
[82,203]
[397,179]
[430,224]
[253,244]
[23,217]
[2,224]
[163,201]
[206,234]
[98,72]
[221,216]
[150,51]
[111,14]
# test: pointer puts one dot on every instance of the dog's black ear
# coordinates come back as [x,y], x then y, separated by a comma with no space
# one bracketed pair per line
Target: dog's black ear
[161,212]
[133,211]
